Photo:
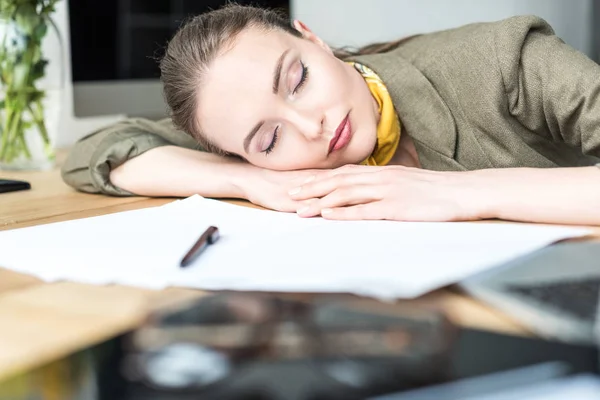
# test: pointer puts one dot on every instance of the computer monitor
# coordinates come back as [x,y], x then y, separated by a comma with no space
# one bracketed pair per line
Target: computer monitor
[114,45]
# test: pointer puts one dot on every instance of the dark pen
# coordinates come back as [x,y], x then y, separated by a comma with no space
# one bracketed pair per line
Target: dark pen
[9,185]
[210,236]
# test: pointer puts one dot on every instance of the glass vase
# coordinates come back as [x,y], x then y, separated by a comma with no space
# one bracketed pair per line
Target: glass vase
[31,88]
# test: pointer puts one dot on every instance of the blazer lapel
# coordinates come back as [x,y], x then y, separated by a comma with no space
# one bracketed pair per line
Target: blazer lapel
[420,108]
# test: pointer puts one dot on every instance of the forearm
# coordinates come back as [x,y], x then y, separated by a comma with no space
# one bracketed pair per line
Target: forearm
[555,195]
[179,172]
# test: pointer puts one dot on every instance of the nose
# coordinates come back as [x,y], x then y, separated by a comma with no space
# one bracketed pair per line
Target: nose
[309,123]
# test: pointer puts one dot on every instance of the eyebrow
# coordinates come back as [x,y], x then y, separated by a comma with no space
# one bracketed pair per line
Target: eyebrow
[276,80]
[277,71]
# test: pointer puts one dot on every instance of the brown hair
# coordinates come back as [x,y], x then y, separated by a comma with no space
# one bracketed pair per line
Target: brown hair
[201,39]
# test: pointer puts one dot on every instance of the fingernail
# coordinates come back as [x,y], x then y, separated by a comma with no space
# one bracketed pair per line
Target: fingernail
[302,210]
[326,211]
[309,179]
[294,191]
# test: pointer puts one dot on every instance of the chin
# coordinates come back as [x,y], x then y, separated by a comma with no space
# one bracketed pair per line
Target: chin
[364,147]
[351,161]
[359,156]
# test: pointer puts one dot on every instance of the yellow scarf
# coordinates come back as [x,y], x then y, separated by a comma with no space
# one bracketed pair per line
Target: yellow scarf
[388,129]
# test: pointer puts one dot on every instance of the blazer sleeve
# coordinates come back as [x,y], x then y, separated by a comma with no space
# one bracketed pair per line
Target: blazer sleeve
[552,89]
[89,163]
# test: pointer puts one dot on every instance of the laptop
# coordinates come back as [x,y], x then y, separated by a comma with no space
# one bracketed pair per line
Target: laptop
[554,291]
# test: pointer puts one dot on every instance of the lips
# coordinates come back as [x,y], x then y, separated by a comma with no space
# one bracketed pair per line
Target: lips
[342,135]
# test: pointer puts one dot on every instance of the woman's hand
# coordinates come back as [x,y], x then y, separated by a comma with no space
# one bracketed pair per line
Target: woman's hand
[392,193]
[269,189]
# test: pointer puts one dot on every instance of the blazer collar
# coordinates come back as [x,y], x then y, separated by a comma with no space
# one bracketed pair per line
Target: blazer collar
[421,109]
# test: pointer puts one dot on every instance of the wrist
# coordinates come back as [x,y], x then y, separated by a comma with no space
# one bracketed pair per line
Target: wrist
[224,177]
[490,192]
[241,177]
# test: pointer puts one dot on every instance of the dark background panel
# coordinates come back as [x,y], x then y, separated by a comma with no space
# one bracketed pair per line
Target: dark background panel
[121,39]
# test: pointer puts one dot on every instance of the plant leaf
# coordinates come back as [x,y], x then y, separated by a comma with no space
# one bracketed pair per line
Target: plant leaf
[38,70]
[40,31]
[27,18]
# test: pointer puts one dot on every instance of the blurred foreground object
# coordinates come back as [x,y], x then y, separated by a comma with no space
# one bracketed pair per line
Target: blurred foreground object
[230,346]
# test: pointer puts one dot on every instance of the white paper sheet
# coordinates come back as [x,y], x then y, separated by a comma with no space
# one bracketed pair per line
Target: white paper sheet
[266,250]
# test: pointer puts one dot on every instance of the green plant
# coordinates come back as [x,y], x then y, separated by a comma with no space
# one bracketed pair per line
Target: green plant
[23,26]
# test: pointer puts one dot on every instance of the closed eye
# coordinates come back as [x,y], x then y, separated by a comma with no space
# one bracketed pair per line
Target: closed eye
[271,146]
[303,78]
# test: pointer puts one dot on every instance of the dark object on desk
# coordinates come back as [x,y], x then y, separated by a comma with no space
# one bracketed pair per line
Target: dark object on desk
[578,297]
[236,346]
[8,185]
[208,237]
[485,363]
[554,291]
[269,372]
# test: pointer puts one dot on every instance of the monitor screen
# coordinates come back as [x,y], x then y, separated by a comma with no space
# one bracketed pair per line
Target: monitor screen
[115,45]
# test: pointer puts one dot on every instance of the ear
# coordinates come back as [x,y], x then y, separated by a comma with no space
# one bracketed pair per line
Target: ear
[309,35]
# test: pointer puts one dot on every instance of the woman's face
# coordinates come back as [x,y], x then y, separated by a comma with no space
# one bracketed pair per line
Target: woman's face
[285,103]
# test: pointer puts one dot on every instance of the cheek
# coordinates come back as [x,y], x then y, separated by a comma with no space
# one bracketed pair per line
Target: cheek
[334,80]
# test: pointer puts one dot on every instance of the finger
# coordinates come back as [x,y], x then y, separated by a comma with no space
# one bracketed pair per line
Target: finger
[349,169]
[370,211]
[284,204]
[292,206]
[306,204]
[305,178]
[322,187]
[318,174]
[350,195]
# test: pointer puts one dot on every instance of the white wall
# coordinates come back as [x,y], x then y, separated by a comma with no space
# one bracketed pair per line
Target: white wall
[359,22]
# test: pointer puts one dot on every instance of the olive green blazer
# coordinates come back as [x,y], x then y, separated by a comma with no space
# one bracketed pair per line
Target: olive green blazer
[486,95]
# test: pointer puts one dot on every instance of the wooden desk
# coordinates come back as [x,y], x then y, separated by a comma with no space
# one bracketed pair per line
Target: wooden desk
[41,322]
